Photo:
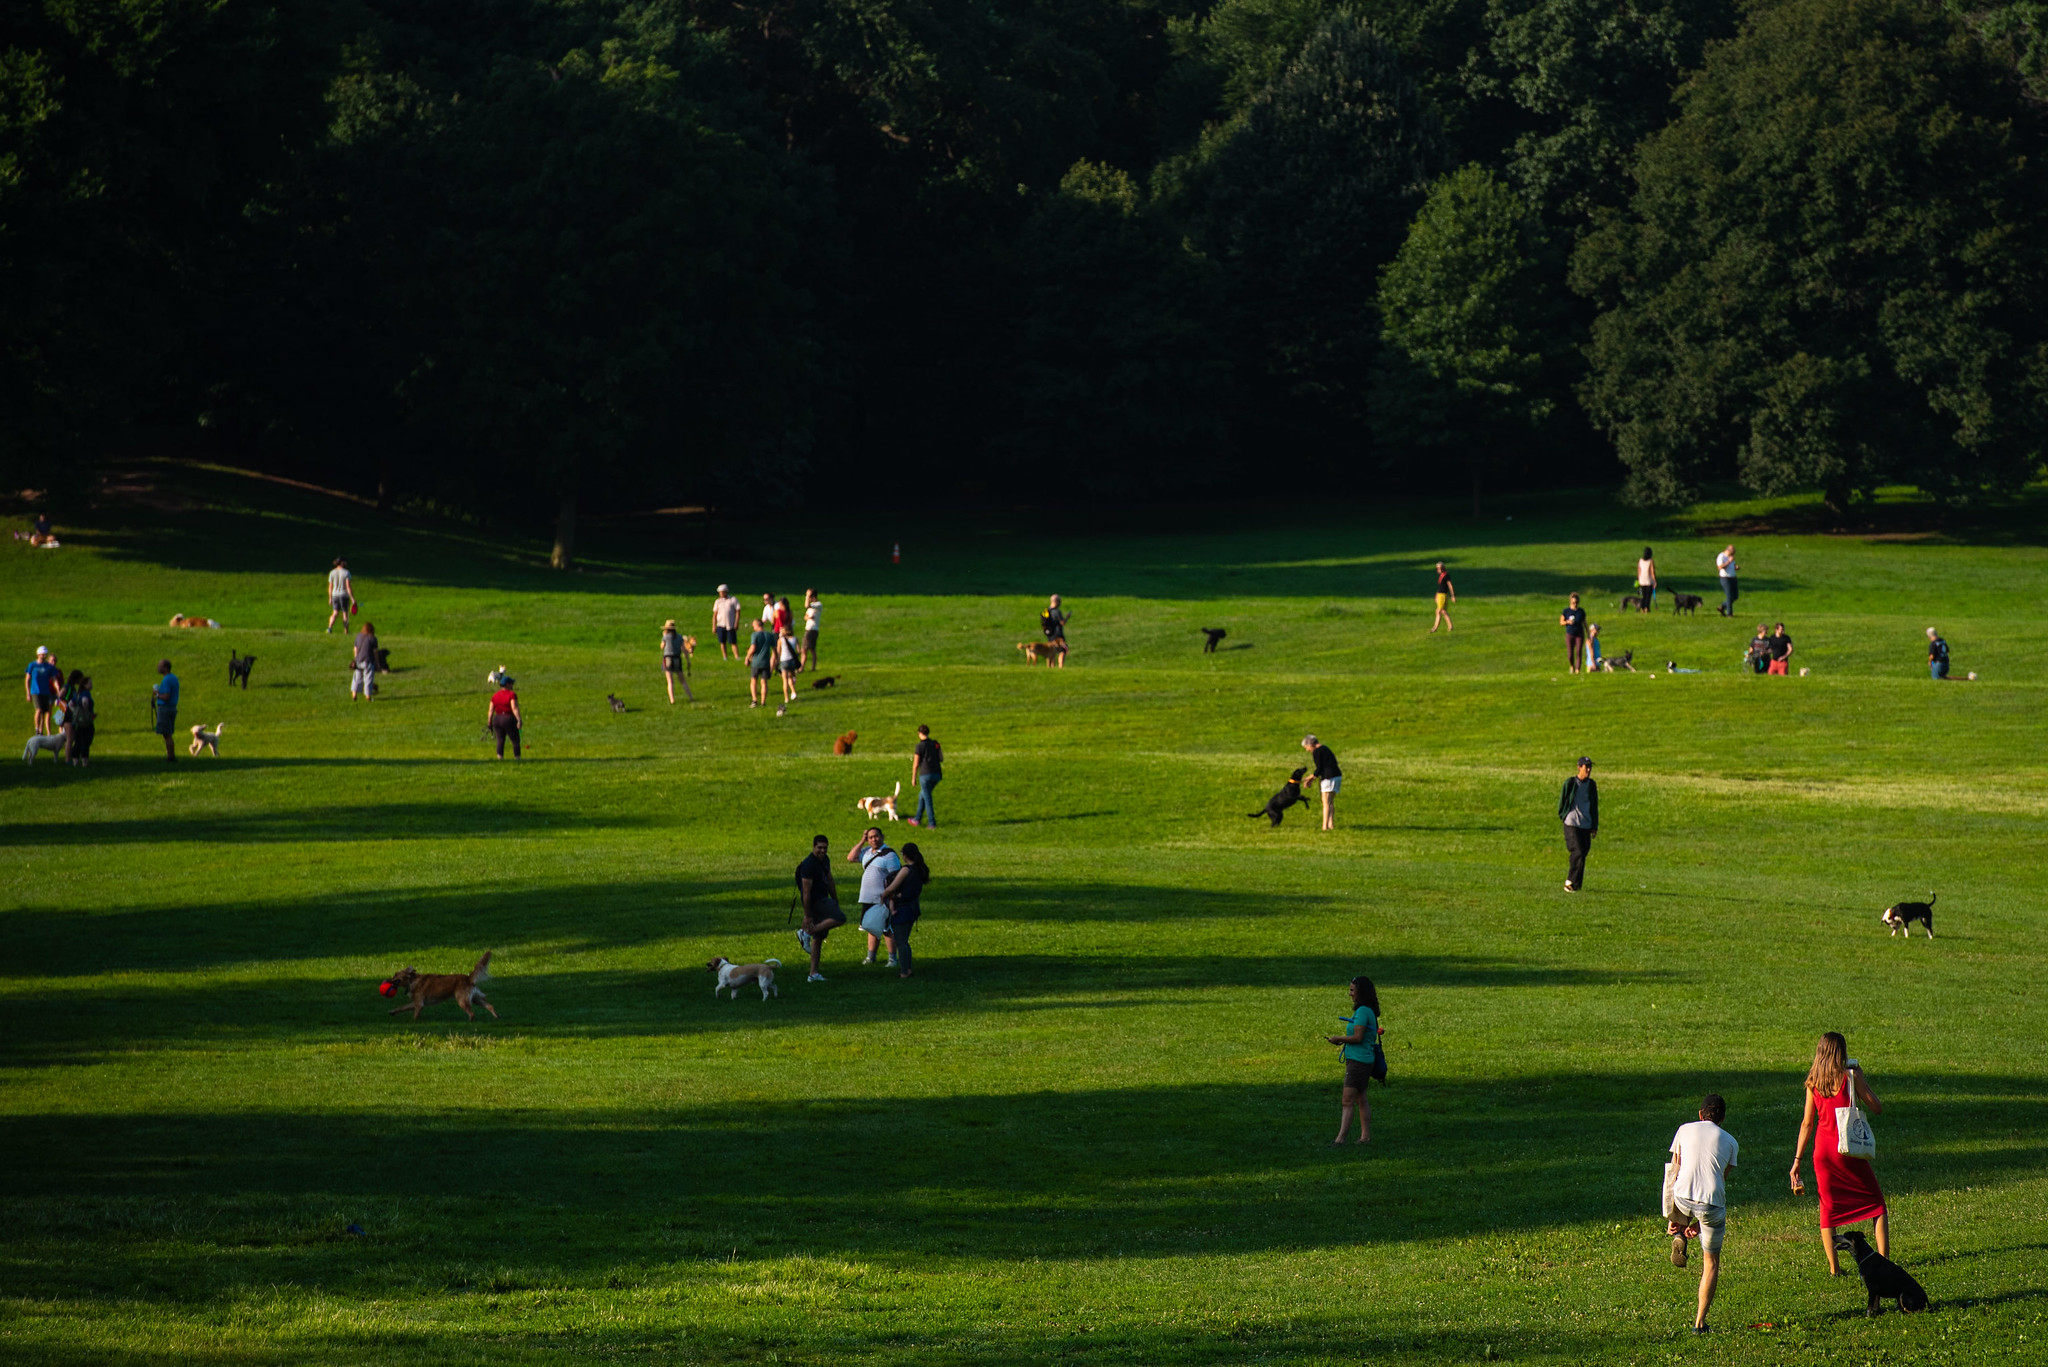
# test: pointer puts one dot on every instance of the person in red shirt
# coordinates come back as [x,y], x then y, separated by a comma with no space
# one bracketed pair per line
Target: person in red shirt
[504,720]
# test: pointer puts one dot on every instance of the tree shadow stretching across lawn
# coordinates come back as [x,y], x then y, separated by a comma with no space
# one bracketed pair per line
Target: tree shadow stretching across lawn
[339,821]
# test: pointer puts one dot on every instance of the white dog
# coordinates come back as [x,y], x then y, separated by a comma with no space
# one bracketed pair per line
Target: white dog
[873,807]
[735,976]
[37,744]
[203,739]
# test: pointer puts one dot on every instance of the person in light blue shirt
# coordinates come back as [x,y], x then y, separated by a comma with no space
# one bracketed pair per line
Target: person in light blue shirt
[163,702]
[1360,1047]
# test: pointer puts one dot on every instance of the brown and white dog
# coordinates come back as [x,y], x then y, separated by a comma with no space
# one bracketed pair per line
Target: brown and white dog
[874,807]
[1047,651]
[735,976]
[424,989]
[1901,917]
[203,739]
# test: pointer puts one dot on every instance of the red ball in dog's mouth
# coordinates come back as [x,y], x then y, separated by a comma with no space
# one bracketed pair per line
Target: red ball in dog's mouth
[385,989]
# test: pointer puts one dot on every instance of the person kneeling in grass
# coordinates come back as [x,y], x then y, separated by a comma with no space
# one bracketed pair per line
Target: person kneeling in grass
[1696,1196]
[1359,1047]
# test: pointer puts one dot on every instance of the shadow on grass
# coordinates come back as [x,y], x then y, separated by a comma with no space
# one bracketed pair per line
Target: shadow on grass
[342,821]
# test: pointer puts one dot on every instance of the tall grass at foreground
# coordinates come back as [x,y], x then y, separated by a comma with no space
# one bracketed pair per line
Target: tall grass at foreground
[1093,1127]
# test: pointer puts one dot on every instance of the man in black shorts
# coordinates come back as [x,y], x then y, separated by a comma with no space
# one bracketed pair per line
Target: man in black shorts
[1328,777]
[820,898]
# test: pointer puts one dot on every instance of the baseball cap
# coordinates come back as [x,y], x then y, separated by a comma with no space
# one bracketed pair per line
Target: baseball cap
[42,651]
[1586,760]
[725,588]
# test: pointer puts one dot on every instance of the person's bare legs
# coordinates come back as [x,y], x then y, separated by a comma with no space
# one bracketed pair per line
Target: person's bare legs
[1329,811]
[1348,1105]
[1827,1241]
[1710,1275]
[1883,1239]
[671,686]
[688,696]
[818,943]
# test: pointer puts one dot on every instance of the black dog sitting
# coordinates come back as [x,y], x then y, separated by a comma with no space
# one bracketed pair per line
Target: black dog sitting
[1882,1278]
[1289,794]
[1214,634]
[238,668]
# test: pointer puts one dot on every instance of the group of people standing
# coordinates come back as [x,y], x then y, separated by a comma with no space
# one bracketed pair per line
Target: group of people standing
[890,899]
[773,646]
[63,706]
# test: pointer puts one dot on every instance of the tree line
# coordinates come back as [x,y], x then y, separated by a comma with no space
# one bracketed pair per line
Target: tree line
[533,258]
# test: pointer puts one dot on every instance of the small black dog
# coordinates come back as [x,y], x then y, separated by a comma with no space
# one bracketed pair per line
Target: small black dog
[383,660]
[1289,794]
[613,699]
[238,668]
[1902,917]
[1214,634]
[826,682]
[1882,1278]
[1629,601]
[1685,603]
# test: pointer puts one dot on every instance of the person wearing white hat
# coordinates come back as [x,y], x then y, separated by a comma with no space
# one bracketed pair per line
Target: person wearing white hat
[43,681]
[673,652]
[725,623]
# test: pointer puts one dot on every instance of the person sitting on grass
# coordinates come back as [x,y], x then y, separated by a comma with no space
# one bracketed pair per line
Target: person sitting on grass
[1359,1047]
[1696,1196]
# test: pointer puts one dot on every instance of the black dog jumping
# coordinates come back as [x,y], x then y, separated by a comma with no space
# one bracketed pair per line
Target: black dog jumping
[1289,794]
[238,668]
[1214,634]
[1884,1279]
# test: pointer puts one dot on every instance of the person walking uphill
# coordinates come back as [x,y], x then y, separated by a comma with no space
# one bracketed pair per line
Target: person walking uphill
[163,706]
[927,767]
[1696,1195]
[1359,1046]
[503,719]
[1578,806]
[1849,1193]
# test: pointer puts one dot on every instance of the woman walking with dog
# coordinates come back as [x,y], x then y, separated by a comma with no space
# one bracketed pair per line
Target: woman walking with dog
[1359,1047]
[1849,1193]
[503,720]
[902,897]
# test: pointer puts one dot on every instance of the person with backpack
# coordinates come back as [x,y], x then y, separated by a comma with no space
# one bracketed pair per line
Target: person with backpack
[672,657]
[902,897]
[1937,656]
[1364,1059]
[818,894]
[1053,622]
[878,864]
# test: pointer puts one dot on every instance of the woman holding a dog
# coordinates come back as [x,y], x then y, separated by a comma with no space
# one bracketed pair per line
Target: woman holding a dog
[1849,1193]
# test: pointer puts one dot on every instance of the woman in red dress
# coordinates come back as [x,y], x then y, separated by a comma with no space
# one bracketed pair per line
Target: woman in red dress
[1849,1193]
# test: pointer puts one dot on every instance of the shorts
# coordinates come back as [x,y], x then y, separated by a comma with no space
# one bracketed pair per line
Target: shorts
[759,671]
[726,635]
[1776,667]
[1357,1074]
[1713,1221]
[790,666]
[826,914]
[339,604]
[1333,786]
[810,640]
[672,664]
[1443,600]
[167,721]
[44,702]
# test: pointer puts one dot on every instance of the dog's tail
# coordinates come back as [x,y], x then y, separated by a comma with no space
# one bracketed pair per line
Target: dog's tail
[772,963]
[899,789]
[482,969]
[1930,901]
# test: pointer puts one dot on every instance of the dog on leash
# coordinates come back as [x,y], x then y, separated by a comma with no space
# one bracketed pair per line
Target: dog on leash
[238,668]
[828,681]
[1884,1279]
[37,744]
[1037,651]
[1630,602]
[735,976]
[613,699]
[1289,794]
[424,989]
[873,807]
[1214,634]
[203,739]
[1686,603]
[843,745]
[1902,916]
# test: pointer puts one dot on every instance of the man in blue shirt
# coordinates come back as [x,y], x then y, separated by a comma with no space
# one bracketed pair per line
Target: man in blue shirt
[163,701]
[43,681]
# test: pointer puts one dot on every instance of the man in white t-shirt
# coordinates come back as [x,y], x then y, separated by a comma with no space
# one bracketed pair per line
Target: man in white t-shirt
[725,623]
[341,593]
[878,864]
[813,610]
[1724,565]
[1696,1195]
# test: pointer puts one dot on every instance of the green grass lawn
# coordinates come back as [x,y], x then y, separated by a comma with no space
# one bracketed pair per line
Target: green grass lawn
[1093,1128]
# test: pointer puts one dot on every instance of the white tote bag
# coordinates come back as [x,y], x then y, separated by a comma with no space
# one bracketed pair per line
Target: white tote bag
[1852,1127]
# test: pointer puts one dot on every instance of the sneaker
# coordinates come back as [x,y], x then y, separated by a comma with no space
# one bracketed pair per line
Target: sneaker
[870,959]
[1569,888]
[891,963]
[815,978]
[1703,1328]
[913,821]
[1678,1250]
[803,937]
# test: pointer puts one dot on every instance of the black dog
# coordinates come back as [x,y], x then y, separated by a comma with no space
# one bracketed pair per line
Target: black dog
[1882,1278]
[1214,634]
[383,660]
[238,668]
[1902,917]
[1289,794]
[826,682]
[1685,603]
[613,699]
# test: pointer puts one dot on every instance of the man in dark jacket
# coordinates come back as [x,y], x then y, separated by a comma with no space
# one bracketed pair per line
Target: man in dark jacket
[1578,806]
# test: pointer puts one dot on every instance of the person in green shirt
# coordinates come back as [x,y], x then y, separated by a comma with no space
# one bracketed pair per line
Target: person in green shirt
[1360,1047]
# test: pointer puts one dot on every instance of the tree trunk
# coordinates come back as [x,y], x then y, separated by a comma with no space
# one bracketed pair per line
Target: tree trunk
[565,534]
[1834,495]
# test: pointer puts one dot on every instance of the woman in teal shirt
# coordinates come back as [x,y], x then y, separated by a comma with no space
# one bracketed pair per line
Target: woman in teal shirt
[1361,1050]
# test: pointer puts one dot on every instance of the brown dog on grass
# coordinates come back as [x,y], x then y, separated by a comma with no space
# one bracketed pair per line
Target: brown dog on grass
[843,745]
[424,989]
[1046,651]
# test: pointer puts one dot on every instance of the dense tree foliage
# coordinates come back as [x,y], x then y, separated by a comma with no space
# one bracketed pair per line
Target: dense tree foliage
[540,257]
[1831,271]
